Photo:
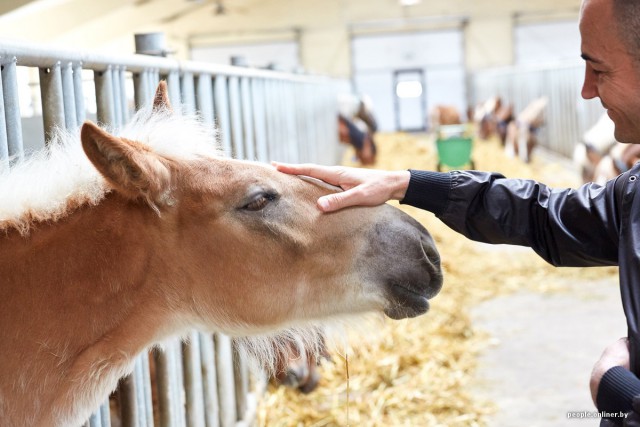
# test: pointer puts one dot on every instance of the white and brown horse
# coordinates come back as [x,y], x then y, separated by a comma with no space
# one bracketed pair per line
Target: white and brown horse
[111,244]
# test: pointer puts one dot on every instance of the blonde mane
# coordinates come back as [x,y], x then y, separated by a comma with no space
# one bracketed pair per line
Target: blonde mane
[54,181]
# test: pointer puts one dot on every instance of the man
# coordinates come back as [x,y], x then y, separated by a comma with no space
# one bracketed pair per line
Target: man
[591,226]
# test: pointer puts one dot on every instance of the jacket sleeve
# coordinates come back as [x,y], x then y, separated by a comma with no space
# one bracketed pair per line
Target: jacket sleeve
[565,227]
[616,398]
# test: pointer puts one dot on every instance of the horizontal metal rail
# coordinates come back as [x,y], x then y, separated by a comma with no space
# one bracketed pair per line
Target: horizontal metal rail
[32,55]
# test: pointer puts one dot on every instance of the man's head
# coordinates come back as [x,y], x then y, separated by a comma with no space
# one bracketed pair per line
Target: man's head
[610,31]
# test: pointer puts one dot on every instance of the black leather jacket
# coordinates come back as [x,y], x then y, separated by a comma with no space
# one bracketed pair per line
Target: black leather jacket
[590,226]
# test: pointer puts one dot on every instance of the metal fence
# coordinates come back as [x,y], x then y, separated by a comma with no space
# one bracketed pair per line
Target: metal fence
[567,115]
[261,115]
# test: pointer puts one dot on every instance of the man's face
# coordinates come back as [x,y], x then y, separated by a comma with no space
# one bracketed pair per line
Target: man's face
[611,73]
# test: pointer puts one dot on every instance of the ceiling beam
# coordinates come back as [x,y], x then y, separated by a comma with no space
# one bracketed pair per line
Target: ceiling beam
[125,21]
[7,6]
[43,24]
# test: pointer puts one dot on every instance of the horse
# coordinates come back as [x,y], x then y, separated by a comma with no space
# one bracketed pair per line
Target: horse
[355,132]
[443,115]
[521,134]
[595,152]
[112,244]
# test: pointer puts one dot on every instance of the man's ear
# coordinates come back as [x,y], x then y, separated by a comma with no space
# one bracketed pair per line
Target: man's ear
[130,167]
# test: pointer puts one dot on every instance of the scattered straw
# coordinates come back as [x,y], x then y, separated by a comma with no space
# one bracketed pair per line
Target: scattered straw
[419,372]
[346,367]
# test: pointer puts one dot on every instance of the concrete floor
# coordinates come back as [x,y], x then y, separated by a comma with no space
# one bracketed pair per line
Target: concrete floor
[544,346]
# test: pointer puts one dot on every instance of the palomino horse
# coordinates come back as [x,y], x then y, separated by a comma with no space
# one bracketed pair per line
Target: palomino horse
[151,233]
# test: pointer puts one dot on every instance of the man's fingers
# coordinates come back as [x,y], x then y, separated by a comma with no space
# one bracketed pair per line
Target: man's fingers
[324,173]
[288,167]
[336,201]
[331,202]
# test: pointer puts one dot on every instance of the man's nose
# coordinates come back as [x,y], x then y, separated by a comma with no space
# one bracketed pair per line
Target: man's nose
[589,87]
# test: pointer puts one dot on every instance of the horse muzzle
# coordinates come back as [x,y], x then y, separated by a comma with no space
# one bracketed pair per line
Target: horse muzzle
[407,261]
[409,297]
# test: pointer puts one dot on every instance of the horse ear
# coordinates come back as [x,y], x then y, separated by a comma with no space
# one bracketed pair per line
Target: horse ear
[130,167]
[161,98]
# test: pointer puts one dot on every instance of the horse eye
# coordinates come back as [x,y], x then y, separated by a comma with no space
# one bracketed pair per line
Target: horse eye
[260,201]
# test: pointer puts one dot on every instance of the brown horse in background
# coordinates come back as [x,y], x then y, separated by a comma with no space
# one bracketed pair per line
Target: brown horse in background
[110,248]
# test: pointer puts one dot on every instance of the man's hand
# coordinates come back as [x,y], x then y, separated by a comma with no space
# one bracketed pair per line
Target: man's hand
[362,187]
[616,354]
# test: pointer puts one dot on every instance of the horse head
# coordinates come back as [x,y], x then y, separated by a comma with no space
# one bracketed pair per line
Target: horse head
[250,248]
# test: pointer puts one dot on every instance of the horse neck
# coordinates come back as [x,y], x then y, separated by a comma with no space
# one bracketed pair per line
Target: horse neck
[79,280]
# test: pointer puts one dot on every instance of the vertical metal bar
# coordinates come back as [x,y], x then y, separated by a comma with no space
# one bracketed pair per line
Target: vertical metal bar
[331,128]
[188,93]
[241,376]
[139,389]
[179,399]
[237,137]
[122,88]
[146,384]
[209,380]
[280,119]
[68,96]
[116,96]
[204,98]
[166,385]
[226,388]
[222,113]
[142,96]
[178,391]
[105,414]
[12,109]
[104,97]
[321,134]
[4,143]
[311,144]
[128,407]
[173,83]
[52,103]
[247,118]
[78,90]
[257,91]
[289,104]
[305,141]
[95,420]
[193,381]
[273,128]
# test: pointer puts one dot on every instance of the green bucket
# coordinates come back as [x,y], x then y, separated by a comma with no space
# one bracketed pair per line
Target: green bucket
[454,152]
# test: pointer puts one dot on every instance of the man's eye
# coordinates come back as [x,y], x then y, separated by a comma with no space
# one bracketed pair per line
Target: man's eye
[260,201]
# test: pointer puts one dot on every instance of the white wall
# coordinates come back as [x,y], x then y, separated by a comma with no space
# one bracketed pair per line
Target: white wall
[547,42]
[439,54]
[284,54]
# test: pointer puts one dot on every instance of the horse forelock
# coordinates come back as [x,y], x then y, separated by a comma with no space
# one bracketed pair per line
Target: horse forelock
[58,179]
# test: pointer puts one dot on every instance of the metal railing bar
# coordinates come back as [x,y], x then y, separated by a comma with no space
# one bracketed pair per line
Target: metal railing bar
[43,57]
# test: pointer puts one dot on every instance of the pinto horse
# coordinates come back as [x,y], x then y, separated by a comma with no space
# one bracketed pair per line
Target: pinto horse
[111,244]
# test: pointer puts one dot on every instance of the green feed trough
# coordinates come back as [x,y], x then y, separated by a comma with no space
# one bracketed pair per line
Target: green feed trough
[454,153]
